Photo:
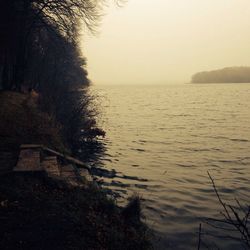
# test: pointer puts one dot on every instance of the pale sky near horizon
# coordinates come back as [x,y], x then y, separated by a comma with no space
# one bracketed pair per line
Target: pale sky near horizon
[166,41]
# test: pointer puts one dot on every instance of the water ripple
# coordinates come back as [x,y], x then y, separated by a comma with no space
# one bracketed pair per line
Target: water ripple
[162,140]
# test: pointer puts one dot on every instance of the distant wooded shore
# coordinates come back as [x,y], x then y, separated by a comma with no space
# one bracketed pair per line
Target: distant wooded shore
[225,75]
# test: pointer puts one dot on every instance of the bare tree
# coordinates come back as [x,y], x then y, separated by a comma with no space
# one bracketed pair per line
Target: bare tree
[234,221]
[22,22]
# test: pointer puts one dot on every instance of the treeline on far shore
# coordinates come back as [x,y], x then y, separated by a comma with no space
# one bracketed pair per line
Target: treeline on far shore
[226,75]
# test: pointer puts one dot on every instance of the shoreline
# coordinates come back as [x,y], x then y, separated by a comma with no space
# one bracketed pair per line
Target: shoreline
[39,212]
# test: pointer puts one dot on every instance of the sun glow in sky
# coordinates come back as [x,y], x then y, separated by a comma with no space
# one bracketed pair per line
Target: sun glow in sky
[166,41]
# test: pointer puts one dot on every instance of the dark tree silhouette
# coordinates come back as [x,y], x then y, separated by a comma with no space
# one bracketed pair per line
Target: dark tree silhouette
[39,50]
[25,24]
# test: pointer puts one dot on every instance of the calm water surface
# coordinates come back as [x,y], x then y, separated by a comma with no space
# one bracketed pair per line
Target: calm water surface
[162,140]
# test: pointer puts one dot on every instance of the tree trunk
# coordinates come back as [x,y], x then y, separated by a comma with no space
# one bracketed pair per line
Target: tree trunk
[6,75]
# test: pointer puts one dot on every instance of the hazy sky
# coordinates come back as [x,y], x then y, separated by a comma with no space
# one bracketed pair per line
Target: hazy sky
[166,41]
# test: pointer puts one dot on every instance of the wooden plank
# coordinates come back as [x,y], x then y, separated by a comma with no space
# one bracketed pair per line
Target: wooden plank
[30,146]
[68,158]
[68,172]
[68,168]
[71,176]
[50,165]
[29,160]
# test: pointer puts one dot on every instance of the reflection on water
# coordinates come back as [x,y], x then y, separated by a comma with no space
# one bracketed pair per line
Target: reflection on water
[162,140]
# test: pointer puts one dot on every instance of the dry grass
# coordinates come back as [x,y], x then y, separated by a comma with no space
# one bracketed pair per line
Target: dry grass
[22,123]
[38,213]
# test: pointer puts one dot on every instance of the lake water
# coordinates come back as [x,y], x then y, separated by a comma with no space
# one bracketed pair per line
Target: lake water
[162,140]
